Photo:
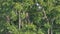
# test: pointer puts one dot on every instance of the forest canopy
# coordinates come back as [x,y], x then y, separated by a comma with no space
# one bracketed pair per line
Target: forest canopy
[29,16]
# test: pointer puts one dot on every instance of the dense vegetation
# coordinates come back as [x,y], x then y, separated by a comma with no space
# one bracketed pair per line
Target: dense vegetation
[29,16]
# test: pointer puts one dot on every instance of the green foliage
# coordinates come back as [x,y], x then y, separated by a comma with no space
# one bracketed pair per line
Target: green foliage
[23,15]
[12,29]
[33,23]
[40,31]
[18,6]
[13,16]
[47,25]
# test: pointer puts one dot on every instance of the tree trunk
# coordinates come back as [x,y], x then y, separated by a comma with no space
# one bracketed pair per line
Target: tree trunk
[48,31]
[52,28]
[52,25]
[45,17]
[51,31]
[19,21]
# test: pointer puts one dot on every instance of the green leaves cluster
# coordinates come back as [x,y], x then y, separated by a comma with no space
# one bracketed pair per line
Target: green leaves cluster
[35,23]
